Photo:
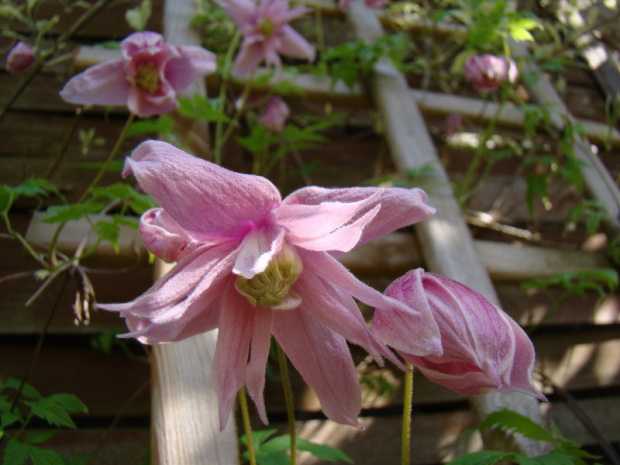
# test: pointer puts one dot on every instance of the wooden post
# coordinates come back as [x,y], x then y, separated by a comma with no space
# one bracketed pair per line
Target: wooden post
[185,419]
[445,239]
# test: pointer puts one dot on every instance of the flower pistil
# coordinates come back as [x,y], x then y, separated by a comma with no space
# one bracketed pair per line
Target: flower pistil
[272,287]
[147,77]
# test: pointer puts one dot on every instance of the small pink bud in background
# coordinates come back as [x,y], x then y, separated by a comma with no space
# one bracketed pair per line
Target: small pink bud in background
[19,58]
[483,348]
[488,72]
[275,115]
[452,123]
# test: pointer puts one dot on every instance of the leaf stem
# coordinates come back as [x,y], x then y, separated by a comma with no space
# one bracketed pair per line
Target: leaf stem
[247,427]
[288,397]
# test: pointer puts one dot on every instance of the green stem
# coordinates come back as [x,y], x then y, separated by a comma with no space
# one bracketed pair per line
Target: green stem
[288,397]
[106,164]
[219,125]
[247,427]
[407,401]
[231,126]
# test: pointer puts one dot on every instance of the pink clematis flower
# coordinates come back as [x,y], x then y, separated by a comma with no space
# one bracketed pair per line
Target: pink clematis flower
[19,59]
[254,265]
[275,115]
[488,72]
[266,33]
[483,348]
[146,79]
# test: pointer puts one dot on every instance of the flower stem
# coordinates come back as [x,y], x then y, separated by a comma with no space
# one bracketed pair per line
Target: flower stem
[106,164]
[407,401]
[288,397]
[247,427]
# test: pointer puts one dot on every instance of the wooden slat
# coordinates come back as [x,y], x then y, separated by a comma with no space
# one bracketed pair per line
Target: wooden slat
[185,419]
[446,242]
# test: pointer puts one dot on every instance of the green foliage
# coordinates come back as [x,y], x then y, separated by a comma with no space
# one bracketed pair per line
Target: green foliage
[202,108]
[590,211]
[138,17]
[352,61]
[274,450]
[566,452]
[603,281]
[54,410]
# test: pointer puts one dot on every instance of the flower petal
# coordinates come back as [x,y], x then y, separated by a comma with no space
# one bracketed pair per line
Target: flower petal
[201,196]
[293,44]
[102,84]
[399,207]
[323,359]
[249,56]
[416,331]
[241,12]
[339,311]
[259,352]
[163,236]
[256,251]
[195,62]
[231,350]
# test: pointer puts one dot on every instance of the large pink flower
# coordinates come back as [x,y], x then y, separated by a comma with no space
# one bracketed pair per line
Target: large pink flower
[488,72]
[146,79]
[483,348]
[266,33]
[19,58]
[254,265]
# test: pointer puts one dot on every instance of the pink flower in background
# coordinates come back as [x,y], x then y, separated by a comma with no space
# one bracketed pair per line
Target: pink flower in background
[483,348]
[275,115]
[452,123]
[488,72]
[266,33]
[19,58]
[344,4]
[146,79]
[254,265]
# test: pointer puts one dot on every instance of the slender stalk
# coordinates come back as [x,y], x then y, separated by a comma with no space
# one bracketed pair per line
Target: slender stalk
[65,143]
[288,397]
[407,401]
[106,164]
[247,427]
[219,143]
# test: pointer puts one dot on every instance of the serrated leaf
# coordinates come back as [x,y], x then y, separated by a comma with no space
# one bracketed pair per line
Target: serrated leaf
[278,457]
[51,412]
[507,419]
[16,453]
[9,418]
[41,456]
[323,452]
[65,213]
[70,402]
[163,124]
[483,457]
[35,437]
[27,390]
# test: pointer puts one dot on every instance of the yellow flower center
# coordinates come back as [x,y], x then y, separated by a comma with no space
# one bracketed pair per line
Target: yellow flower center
[147,77]
[266,27]
[272,287]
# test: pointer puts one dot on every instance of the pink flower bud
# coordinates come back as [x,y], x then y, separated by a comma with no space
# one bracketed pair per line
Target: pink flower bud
[275,115]
[488,72]
[483,348]
[19,58]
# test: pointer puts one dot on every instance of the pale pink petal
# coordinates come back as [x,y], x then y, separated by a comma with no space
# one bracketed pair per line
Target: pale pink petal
[163,236]
[323,359]
[241,12]
[415,331]
[200,195]
[19,59]
[231,351]
[248,58]
[142,40]
[190,277]
[145,104]
[259,352]
[256,251]
[399,207]
[339,311]
[102,84]
[194,63]
[293,44]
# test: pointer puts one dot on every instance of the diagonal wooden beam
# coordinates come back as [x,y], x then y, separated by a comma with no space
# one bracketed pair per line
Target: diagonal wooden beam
[447,245]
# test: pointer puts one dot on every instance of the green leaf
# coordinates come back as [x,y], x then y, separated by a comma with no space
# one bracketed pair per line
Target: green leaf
[202,108]
[64,213]
[16,453]
[277,457]
[7,197]
[323,452]
[484,457]
[9,418]
[28,391]
[138,17]
[163,124]
[52,412]
[70,402]
[39,436]
[40,456]
[507,419]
